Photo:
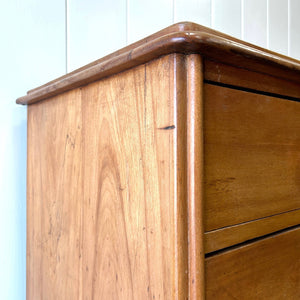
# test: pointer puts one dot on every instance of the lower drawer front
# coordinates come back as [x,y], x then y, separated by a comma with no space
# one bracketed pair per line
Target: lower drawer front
[265,269]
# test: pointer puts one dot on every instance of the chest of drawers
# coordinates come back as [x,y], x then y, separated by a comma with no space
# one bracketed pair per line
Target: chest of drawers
[167,170]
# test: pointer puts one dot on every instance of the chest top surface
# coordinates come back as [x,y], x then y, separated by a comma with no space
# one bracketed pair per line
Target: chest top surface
[185,38]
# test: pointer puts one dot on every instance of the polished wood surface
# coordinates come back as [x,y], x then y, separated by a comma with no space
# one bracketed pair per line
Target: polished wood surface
[106,208]
[128,205]
[54,192]
[267,269]
[185,38]
[184,143]
[195,175]
[252,151]
[228,236]
[243,78]
[181,257]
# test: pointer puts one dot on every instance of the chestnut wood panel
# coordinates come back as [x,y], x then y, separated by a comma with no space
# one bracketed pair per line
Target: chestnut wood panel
[239,77]
[228,236]
[266,269]
[54,192]
[252,156]
[129,227]
[108,188]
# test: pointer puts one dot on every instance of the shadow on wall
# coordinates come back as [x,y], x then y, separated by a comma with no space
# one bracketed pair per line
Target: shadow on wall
[20,154]
[13,200]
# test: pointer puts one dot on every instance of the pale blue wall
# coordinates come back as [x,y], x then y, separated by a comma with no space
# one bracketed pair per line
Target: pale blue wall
[33,51]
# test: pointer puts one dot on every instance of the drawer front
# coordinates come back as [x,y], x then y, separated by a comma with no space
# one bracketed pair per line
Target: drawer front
[251,156]
[266,269]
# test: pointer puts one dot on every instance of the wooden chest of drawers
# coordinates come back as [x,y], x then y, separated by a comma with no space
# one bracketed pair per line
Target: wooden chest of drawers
[167,170]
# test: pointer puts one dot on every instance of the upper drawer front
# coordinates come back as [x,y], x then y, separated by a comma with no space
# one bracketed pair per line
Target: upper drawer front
[267,269]
[251,156]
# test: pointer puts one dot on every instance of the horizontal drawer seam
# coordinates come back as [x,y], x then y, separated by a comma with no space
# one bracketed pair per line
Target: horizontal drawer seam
[244,89]
[245,243]
[253,220]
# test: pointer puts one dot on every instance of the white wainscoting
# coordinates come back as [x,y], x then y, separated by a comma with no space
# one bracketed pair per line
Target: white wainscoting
[100,27]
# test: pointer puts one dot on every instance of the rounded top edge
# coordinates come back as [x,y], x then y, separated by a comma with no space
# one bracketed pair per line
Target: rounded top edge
[182,37]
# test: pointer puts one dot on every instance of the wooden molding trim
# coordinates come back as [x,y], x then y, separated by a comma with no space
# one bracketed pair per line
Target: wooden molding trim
[195,175]
[185,38]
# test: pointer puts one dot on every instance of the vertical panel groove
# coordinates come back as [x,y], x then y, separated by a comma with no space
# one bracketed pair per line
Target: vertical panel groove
[146,17]
[255,22]
[294,28]
[277,34]
[226,16]
[268,25]
[242,19]
[127,21]
[173,11]
[289,27]
[193,11]
[212,16]
[67,34]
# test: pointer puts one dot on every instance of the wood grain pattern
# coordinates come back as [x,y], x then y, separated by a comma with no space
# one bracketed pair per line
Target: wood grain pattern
[107,188]
[128,215]
[195,175]
[267,269]
[137,158]
[239,77]
[252,156]
[181,261]
[185,38]
[225,237]
[54,192]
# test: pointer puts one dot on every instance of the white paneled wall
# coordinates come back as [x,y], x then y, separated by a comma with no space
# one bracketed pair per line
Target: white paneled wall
[294,28]
[227,16]
[96,28]
[255,20]
[193,10]
[99,27]
[278,29]
[32,51]
[145,17]
[41,39]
